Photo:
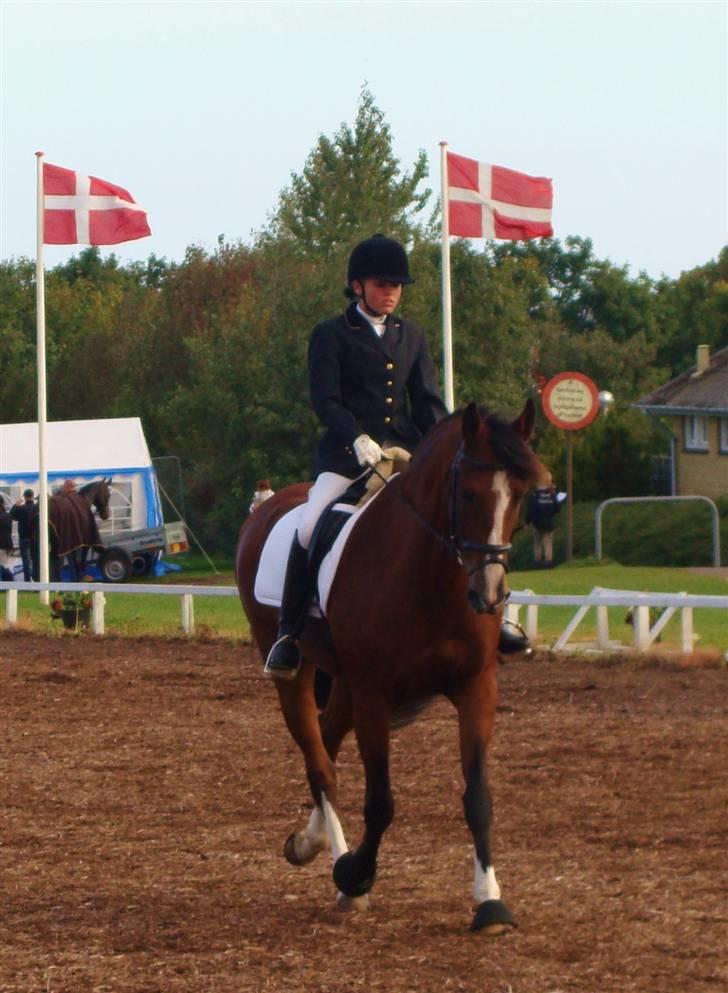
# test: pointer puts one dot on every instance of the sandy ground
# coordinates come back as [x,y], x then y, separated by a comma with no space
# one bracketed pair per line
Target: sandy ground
[148,786]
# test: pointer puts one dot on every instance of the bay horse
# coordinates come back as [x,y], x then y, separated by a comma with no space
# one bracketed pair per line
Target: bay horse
[72,525]
[414,611]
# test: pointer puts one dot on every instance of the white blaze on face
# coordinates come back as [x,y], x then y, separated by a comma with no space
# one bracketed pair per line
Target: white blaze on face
[494,572]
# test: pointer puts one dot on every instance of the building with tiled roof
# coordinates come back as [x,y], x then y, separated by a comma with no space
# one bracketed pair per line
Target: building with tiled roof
[695,406]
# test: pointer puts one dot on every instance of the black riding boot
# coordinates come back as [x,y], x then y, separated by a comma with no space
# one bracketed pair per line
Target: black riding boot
[284,657]
[512,638]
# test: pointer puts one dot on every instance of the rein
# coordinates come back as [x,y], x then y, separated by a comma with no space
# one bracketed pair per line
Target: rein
[454,543]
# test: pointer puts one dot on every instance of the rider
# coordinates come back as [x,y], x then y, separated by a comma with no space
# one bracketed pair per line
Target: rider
[373,385]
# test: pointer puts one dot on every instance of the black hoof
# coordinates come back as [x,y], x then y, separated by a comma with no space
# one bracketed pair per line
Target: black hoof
[348,877]
[494,916]
[289,850]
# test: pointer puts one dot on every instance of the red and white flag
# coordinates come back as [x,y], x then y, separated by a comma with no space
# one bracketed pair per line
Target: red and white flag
[84,210]
[488,201]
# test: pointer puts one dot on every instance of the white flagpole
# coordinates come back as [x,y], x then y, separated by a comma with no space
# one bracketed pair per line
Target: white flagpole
[41,363]
[446,295]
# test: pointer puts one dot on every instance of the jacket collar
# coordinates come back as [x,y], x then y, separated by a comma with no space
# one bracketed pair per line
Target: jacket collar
[392,333]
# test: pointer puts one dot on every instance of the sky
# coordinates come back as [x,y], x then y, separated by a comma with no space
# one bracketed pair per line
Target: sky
[203,111]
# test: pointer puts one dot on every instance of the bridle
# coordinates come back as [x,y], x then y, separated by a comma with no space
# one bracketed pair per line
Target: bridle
[453,542]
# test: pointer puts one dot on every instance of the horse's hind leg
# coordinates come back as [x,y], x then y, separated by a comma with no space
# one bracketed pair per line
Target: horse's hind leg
[476,714]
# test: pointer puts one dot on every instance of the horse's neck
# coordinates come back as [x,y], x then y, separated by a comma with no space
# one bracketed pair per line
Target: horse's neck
[411,521]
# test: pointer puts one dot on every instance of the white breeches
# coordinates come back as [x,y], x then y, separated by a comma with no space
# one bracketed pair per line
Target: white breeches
[328,486]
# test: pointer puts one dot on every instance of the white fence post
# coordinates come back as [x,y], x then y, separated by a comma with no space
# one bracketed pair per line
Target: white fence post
[531,620]
[11,607]
[688,640]
[188,614]
[603,627]
[98,620]
[641,625]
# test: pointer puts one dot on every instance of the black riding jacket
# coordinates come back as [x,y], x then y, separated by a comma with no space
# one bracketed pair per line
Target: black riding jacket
[25,515]
[363,384]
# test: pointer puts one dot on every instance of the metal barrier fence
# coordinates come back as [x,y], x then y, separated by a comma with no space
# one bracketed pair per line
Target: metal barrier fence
[715,519]
[644,633]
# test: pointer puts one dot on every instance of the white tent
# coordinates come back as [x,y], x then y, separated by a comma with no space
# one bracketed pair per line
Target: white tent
[83,451]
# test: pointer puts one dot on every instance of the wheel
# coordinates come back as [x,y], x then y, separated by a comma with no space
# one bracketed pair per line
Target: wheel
[142,564]
[115,565]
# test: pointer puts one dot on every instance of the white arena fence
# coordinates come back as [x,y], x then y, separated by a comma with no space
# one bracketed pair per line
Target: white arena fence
[640,604]
[644,633]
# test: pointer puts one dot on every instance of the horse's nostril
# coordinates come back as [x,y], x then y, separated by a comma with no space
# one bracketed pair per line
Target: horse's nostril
[477,602]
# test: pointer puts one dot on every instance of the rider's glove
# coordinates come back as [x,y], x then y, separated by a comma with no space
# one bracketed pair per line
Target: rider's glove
[367,451]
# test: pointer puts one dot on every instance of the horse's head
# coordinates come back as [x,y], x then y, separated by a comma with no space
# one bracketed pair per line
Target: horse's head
[98,495]
[493,469]
[102,498]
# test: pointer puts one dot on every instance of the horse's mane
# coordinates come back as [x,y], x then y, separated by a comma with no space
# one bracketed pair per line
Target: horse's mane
[508,445]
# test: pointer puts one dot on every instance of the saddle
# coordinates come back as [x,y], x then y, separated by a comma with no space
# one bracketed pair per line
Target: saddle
[329,536]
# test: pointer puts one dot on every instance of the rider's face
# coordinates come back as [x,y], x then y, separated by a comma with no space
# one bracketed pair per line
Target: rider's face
[378,295]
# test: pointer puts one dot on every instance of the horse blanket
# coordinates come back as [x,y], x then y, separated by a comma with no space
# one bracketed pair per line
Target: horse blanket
[73,523]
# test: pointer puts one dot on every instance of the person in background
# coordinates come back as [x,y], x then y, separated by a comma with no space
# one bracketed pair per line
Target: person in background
[541,510]
[6,542]
[25,512]
[262,493]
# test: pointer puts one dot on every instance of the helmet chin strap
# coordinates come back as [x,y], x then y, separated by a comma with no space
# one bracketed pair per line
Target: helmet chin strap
[363,299]
[370,310]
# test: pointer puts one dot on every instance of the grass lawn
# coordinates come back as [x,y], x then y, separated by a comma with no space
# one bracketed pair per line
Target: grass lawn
[131,614]
[579,578]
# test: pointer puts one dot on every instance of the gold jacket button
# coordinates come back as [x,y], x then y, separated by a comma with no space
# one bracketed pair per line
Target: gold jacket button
[387,399]
[389,365]
[389,383]
[387,420]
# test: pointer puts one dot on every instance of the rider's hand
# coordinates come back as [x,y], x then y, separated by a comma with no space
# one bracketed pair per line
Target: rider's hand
[367,451]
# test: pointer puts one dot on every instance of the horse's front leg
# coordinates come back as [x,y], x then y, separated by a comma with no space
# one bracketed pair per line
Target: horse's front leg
[324,828]
[476,704]
[355,872]
[334,723]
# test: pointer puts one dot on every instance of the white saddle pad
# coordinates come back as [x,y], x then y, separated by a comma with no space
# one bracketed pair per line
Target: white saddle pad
[274,558]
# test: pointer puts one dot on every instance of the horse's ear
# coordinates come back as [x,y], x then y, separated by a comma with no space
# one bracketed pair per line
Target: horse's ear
[472,424]
[525,421]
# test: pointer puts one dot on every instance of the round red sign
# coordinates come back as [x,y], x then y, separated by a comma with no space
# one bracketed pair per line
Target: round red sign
[570,400]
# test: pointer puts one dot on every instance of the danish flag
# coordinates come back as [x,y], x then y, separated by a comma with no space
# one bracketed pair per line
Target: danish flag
[84,210]
[488,201]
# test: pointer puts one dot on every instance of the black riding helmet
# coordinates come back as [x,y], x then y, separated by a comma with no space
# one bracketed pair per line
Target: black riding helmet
[379,257]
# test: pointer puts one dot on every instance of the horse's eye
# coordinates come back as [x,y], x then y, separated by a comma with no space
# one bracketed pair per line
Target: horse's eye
[469,496]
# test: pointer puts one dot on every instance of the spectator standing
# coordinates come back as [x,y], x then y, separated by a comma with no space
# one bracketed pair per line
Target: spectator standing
[6,541]
[25,512]
[543,506]
[262,493]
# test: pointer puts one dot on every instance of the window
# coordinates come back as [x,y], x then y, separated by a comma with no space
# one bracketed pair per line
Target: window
[723,435]
[696,433]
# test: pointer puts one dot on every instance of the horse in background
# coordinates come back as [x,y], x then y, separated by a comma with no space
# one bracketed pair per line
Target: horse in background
[72,528]
[414,612]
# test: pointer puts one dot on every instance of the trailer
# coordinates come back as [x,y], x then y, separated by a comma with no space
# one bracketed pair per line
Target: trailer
[137,553]
[135,537]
